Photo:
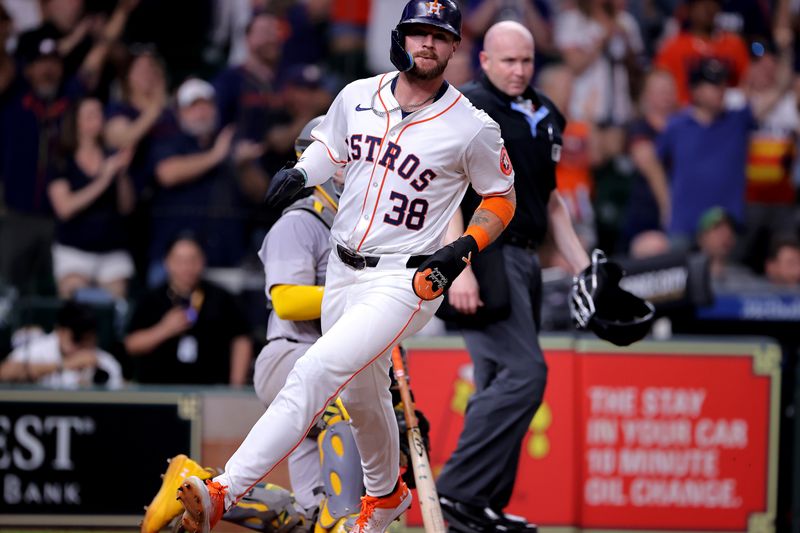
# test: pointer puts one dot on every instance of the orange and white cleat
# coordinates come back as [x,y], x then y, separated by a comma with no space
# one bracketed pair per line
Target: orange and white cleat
[164,507]
[377,514]
[204,504]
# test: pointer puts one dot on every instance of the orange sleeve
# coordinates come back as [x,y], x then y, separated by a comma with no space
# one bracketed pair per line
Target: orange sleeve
[500,207]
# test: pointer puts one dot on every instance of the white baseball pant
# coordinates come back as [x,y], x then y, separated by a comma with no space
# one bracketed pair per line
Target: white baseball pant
[272,368]
[365,313]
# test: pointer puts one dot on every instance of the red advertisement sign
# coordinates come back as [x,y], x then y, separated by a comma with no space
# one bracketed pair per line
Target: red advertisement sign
[668,436]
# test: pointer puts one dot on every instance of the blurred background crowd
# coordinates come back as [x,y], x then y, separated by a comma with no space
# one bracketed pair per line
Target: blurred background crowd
[138,137]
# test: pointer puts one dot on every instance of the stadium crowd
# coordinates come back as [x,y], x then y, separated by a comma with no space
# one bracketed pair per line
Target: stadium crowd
[138,137]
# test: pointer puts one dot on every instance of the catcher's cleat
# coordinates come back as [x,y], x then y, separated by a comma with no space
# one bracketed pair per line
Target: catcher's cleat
[343,525]
[268,508]
[204,504]
[164,506]
[377,514]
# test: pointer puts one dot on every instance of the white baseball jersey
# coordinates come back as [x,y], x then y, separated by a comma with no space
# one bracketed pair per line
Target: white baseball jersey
[404,177]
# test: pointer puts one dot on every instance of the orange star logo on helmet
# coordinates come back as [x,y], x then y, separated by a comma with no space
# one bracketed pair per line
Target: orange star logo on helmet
[434,8]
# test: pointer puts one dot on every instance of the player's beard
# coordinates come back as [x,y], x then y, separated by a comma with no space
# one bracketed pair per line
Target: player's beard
[430,73]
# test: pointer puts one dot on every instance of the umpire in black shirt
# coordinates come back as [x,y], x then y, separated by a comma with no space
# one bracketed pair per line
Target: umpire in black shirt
[510,372]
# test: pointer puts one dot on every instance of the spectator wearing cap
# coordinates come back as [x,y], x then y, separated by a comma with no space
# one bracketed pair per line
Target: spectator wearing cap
[704,148]
[701,39]
[66,358]
[75,31]
[716,239]
[64,22]
[30,124]
[771,191]
[197,189]
[782,266]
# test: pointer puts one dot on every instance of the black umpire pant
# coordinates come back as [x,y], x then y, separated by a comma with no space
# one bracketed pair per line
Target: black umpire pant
[510,377]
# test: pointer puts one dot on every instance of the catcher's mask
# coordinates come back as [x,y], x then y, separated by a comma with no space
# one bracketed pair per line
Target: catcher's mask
[598,303]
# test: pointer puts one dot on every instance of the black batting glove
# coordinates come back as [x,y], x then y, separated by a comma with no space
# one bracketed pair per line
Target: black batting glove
[437,273]
[285,185]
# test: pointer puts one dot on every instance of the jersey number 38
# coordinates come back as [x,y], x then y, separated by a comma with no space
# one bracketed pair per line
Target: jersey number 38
[409,213]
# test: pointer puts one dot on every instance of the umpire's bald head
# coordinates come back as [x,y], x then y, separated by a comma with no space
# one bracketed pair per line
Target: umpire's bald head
[507,57]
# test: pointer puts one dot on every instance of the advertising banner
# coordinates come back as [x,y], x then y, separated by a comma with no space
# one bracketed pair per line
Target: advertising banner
[88,458]
[661,436]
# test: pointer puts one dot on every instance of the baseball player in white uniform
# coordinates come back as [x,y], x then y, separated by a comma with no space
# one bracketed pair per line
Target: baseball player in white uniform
[409,145]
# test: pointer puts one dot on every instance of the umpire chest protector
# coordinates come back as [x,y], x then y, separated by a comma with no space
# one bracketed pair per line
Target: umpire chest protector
[531,127]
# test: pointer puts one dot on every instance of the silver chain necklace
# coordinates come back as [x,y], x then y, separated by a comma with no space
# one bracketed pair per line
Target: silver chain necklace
[399,107]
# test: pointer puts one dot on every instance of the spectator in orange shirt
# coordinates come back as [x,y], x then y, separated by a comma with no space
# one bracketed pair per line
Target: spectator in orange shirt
[701,39]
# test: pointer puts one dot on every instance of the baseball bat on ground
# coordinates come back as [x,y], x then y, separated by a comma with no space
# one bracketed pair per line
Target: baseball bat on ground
[426,488]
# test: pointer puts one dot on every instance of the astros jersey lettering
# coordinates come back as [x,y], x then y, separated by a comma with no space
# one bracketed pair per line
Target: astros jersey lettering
[404,177]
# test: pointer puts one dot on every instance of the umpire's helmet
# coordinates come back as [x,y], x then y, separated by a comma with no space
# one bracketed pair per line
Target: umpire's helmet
[598,303]
[444,14]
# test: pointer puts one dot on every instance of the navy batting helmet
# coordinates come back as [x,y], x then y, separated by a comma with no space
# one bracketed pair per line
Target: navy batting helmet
[443,14]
